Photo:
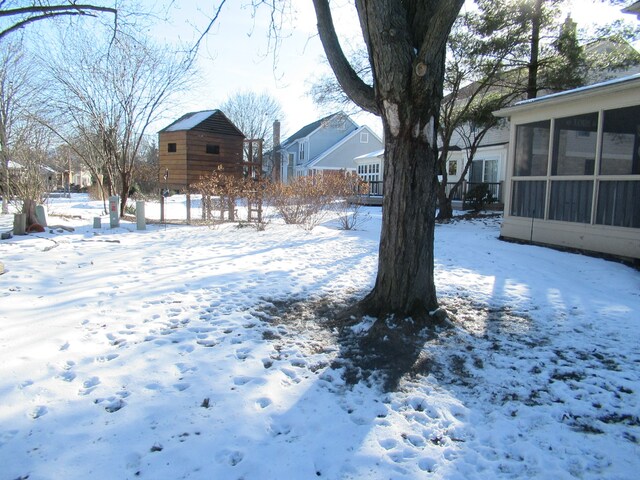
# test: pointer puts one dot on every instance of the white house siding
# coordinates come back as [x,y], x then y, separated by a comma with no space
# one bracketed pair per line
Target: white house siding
[566,192]
[370,167]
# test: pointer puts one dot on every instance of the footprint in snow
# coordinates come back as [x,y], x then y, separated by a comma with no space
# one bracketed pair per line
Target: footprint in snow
[388,443]
[106,358]
[186,349]
[38,411]
[263,402]
[427,465]
[111,404]
[89,386]
[232,457]
[276,429]
[67,376]
[242,353]
[414,440]
[243,380]
[290,374]
[184,368]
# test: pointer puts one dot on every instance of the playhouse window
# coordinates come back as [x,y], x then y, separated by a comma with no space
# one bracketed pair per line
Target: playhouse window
[171,148]
[213,149]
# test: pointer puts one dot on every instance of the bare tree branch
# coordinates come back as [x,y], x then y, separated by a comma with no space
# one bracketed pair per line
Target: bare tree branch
[36,13]
[209,27]
[361,93]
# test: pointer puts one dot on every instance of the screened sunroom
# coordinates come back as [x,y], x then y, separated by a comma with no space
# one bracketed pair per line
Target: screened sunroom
[573,176]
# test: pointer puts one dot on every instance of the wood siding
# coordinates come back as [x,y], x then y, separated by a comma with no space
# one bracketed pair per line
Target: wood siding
[200,163]
[175,162]
[191,161]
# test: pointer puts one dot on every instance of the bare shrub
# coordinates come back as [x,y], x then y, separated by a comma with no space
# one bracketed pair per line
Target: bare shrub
[221,190]
[303,201]
[346,188]
[306,201]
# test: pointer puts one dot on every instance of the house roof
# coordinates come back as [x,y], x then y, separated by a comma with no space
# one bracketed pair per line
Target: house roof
[17,166]
[207,119]
[634,8]
[614,84]
[308,129]
[374,154]
[337,145]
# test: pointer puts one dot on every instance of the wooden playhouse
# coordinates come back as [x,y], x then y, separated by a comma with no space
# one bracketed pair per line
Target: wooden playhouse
[195,145]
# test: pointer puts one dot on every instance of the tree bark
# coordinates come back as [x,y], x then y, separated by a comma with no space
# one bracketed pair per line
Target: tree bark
[29,209]
[406,42]
[405,284]
[445,206]
[536,21]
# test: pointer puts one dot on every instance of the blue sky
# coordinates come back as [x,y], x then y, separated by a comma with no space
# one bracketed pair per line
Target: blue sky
[235,55]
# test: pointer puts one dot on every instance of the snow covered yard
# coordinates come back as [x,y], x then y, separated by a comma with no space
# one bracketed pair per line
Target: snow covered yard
[160,354]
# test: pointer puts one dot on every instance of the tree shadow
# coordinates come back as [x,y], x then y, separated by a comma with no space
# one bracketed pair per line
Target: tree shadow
[377,351]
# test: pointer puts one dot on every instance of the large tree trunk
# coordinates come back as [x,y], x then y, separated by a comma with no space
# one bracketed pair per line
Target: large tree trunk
[406,42]
[404,284]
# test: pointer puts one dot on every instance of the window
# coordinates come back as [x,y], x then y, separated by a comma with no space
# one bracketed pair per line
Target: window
[571,201]
[532,149]
[171,148]
[301,151]
[574,145]
[453,167]
[574,152]
[621,142]
[484,171]
[364,137]
[213,149]
[614,201]
[528,199]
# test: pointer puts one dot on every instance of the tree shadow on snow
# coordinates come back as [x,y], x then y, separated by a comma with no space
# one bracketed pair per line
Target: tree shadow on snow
[379,352]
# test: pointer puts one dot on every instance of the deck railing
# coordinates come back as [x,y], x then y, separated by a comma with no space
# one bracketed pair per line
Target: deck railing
[461,193]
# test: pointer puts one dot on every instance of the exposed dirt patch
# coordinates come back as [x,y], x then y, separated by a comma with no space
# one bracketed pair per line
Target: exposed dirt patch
[380,351]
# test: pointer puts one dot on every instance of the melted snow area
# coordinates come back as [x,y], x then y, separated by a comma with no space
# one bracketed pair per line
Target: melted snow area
[159,354]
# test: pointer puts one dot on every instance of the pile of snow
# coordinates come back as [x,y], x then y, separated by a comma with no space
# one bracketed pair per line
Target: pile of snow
[152,354]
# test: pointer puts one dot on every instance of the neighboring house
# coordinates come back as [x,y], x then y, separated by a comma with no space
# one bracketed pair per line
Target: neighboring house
[370,168]
[573,176]
[330,143]
[52,179]
[196,144]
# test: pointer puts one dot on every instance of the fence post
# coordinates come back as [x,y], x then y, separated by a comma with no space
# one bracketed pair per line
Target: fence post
[141,223]
[114,214]
[20,224]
